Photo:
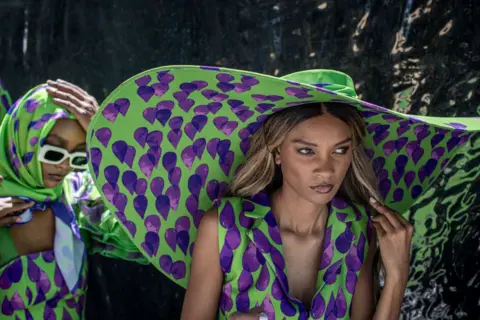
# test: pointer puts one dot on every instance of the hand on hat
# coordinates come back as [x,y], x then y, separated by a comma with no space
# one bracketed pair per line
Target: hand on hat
[76,100]
[394,236]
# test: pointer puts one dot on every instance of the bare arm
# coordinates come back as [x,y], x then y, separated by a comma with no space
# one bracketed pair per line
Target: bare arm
[206,277]
[394,235]
[390,302]
[362,303]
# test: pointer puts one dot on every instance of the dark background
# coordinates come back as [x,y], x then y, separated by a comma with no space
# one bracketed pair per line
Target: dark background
[419,57]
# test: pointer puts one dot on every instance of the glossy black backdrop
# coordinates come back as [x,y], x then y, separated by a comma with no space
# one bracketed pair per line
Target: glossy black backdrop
[419,56]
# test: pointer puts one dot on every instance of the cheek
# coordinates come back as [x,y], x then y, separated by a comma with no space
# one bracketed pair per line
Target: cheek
[46,168]
[342,166]
[297,169]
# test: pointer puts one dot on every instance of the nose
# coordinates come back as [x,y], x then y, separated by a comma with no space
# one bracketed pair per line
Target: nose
[65,165]
[324,166]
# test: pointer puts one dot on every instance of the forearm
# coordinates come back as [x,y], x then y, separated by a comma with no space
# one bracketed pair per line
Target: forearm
[390,302]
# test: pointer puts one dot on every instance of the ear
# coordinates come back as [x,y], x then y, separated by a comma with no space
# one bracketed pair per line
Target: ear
[276,156]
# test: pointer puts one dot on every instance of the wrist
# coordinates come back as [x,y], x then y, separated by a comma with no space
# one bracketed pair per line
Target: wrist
[396,279]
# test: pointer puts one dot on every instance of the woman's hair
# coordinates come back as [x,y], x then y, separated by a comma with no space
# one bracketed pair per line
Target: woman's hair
[260,171]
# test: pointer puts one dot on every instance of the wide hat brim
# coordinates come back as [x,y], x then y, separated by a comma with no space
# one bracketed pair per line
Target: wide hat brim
[167,142]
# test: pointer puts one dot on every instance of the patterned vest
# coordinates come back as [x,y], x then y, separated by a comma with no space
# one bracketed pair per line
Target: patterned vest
[252,260]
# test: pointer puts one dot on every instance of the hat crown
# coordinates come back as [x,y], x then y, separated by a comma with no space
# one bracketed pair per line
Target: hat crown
[332,80]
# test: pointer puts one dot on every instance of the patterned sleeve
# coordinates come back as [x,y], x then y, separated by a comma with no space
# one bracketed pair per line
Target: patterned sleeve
[101,230]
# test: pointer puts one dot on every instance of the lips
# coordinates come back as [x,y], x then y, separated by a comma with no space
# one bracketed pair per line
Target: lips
[56,177]
[322,188]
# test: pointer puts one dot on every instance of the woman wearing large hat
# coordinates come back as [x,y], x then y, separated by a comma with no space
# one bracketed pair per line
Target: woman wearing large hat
[288,170]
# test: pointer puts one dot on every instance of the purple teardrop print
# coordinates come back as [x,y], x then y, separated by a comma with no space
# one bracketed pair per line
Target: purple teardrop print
[151,244]
[103,135]
[171,238]
[162,204]
[140,204]
[263,279]
[140,135]
[249,258]
[212,147]
[226,258]
[147,163]
[188,156]
[173,194]
[169,161]
[232,238]
[318,306]
[242,302]
[227,216]
[227,162]
[332,272]
[145,92]
[245,281]
[152,223]
[157,186]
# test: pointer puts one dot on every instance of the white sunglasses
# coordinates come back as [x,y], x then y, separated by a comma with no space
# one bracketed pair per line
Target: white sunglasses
[55,155]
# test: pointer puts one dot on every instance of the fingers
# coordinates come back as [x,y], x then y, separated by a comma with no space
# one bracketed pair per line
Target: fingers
[68,88]
[70,106]
[389,221]
[62,95]
[15,205]
[395,219]
[73,86]
[382,221]
[7,221]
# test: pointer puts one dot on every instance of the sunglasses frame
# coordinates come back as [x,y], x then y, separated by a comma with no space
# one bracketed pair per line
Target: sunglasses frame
[66,155]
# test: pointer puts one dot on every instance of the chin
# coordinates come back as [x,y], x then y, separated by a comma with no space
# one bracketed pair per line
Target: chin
[52,184]
[321,198]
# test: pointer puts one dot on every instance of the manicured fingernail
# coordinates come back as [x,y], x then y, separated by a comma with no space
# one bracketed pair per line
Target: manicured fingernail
[262,316]
[373,200]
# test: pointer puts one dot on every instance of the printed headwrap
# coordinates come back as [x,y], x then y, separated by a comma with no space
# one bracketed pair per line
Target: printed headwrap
[22,133]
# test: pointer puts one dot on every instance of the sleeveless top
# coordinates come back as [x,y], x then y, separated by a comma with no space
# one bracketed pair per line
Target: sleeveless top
[32,286]
[252,260]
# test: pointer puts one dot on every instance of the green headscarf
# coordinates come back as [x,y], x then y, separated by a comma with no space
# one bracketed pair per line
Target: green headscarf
[22,133]
[5,100]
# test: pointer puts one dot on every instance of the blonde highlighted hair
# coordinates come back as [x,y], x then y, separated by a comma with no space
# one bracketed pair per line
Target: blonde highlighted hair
[260,171]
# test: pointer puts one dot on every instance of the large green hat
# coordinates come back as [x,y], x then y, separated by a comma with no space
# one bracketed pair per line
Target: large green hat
[166,143]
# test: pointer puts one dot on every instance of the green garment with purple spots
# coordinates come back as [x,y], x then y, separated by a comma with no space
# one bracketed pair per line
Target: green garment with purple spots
[34,286]
[252,260]
[5,100]
[167,142]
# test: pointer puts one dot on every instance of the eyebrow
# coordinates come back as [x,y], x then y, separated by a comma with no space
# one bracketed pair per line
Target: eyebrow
[62,141]
[314,145]
[81,147]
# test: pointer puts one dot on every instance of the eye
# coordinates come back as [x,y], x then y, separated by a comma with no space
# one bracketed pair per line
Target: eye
[305,151]
[342,150]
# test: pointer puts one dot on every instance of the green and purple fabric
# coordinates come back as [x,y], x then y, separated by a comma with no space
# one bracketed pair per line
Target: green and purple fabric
[51,284]
[5,100]
[167,142]
[32,286]
[252,260]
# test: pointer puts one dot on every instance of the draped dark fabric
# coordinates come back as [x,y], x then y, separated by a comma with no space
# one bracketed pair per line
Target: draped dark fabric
[419,57]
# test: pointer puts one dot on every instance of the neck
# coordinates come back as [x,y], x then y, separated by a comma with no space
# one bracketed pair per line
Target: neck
[297,215]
